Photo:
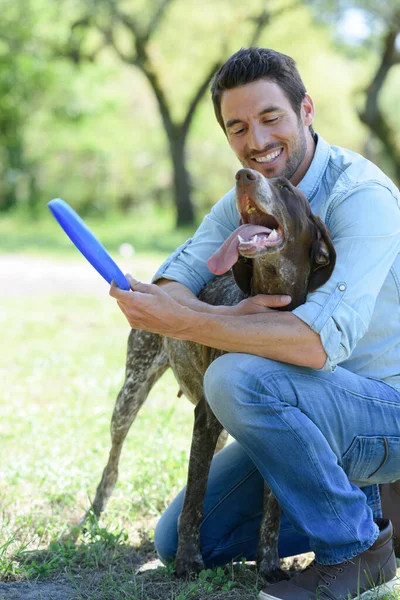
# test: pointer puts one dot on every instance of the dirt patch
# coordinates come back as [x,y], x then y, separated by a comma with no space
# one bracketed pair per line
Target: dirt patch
[38,276]
[61,590]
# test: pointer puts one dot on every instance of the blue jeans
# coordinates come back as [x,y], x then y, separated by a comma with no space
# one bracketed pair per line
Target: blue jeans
[322,442]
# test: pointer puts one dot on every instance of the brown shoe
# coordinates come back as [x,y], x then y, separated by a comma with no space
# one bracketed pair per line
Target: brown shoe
[390,498]
[368,575]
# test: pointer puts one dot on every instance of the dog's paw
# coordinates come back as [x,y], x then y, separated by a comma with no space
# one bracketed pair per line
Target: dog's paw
[188,566]
[272,574]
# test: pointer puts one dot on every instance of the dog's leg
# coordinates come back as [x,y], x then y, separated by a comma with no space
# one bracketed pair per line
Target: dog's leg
[146,362]
[206,431]
[268,561]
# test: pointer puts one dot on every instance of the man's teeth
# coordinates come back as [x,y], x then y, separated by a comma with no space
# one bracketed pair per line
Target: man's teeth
[268,157]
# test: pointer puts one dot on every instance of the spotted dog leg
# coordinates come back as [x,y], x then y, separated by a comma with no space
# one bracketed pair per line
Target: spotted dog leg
[268,561]
[206,432]
[146,362]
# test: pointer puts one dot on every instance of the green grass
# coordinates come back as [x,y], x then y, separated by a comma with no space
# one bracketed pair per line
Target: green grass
[61,366]
[60,370]
[149,230]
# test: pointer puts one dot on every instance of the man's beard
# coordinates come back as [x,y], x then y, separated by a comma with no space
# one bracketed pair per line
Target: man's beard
[297,154]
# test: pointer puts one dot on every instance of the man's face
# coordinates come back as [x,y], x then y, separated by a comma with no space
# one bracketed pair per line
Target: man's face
[264,131]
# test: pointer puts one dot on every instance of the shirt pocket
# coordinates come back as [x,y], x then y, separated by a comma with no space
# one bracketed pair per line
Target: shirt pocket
[373,459]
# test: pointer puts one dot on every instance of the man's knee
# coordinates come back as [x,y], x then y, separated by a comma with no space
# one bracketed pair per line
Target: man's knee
[231,381]
[221,381]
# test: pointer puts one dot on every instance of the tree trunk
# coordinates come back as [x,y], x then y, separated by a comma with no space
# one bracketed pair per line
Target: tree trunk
[372,115]
[182,185]
[141,58]
[15,166]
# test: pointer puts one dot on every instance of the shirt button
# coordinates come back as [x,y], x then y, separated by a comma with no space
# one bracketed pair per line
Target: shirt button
[342,287]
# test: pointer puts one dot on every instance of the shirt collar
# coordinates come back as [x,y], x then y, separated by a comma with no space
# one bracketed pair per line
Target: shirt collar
[311,180]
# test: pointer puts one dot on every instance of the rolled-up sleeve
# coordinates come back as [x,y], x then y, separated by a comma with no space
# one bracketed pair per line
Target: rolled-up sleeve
[188,264]
[365,229]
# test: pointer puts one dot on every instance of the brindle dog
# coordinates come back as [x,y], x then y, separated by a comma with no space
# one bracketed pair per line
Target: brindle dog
[281,248]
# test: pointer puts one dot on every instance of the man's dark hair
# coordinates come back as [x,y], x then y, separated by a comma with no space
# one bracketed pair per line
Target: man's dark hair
[250,64]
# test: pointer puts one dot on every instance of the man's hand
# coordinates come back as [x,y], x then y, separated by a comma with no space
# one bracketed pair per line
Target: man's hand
[258,304]
[148,307]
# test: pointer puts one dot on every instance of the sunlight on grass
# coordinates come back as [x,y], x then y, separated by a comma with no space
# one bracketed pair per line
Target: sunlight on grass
[61,368]
[62,363]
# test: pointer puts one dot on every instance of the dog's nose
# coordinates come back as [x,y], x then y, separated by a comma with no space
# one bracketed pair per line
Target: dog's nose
[244,175]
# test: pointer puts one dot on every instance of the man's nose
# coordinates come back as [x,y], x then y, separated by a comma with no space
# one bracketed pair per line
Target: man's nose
[258,138]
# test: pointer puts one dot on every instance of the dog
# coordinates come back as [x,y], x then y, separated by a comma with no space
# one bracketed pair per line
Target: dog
[280,248]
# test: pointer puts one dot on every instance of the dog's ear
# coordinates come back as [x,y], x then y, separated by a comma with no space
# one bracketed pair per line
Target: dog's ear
[242,272]
[323,256]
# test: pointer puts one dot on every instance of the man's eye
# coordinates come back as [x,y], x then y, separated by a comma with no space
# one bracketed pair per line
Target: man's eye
[271,120]
[238,131]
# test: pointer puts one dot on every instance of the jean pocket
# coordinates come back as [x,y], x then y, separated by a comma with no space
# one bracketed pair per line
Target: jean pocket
[373,459]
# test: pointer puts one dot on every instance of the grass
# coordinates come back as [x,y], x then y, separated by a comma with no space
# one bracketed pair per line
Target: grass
[59,376]
[150,231]
[61,366]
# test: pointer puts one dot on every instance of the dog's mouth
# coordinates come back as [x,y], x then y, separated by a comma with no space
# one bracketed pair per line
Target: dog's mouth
[271,236]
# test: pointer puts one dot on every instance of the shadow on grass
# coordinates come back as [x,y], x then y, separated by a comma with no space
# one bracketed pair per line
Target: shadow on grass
[105,567]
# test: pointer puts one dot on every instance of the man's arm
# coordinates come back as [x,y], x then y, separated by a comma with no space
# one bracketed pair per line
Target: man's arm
[277,335]
[186,297]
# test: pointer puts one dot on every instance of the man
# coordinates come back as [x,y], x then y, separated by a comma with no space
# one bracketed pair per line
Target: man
[312,396]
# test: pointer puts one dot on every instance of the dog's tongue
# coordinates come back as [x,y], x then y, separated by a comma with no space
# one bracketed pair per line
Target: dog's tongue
[224,258]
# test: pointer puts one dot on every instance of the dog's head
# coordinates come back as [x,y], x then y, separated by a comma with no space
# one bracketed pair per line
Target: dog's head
[277,225]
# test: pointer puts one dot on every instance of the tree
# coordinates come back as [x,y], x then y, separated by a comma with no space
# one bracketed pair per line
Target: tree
[23,77]
[372,115]
[381,36]
[131,38]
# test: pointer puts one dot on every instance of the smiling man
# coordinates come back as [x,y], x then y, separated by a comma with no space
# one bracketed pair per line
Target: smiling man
[291,148]
[311,396]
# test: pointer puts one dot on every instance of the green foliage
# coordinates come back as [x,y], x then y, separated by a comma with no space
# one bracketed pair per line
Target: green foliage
[24,76]
[91,133]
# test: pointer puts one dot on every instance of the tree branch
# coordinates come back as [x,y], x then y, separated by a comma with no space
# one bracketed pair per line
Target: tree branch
[389,59]
[201,90]
[264,18]
[372,115]
[129,22]
[155,20]
[109,38]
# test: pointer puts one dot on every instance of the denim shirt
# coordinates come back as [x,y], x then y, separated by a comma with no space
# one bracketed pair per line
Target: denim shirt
[357,312]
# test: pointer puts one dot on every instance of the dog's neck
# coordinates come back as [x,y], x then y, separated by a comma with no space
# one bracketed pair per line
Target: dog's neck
[277,274]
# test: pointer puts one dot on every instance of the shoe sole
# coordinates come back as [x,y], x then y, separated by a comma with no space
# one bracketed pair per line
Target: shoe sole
[386,588]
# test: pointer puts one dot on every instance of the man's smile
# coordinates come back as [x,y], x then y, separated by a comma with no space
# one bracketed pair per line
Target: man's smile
[270,157]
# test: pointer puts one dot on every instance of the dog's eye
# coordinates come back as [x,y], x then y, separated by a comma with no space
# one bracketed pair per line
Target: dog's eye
[285,187]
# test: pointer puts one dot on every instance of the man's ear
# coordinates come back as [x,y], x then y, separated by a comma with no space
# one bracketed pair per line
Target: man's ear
[323,256]
[242,272]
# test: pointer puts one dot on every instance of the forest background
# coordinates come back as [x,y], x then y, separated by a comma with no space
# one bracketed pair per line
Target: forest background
[106,103]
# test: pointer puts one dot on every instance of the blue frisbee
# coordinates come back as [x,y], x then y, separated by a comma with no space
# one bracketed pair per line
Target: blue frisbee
[80,234]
